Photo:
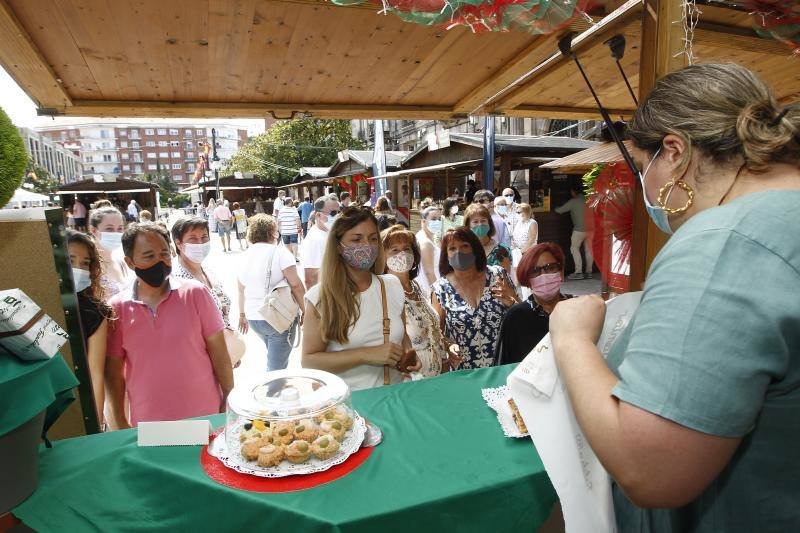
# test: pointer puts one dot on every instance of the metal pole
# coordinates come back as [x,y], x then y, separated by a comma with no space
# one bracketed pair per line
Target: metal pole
[215,158]
[488,153]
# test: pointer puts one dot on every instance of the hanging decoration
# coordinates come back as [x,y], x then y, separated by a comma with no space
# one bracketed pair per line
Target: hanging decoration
[778,19]
[609,191]
[481,16]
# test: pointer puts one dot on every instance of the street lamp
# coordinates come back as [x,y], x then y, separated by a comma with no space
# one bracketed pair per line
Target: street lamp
[215,163]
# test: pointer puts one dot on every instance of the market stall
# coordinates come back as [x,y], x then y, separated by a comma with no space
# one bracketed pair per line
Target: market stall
[119,192]
[245,190]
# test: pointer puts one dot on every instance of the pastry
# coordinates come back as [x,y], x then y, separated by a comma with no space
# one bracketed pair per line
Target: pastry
[250,449]
[306,430]
[344,418]
[249,434]
[283,432]
[330,414]
[324,447]
[517,416]
[298,452]
[266,437]
[333,428]
[270,455]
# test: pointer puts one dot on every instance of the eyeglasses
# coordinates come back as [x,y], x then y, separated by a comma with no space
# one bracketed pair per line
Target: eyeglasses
[485,201]
[549,268]
[332,213]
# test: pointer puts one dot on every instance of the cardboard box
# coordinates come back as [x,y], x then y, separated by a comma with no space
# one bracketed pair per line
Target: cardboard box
[25,331]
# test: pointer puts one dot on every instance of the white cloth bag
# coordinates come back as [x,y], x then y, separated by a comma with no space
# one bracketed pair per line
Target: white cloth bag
[582,484]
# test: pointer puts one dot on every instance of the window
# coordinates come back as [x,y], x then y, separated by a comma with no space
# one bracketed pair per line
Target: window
[135,144]
[126,167]
[174,132]
[137,158]
[138,169]
[163,144]
[163,155]
[152,167]
[176,155]
[190,167]
[125,155]
[151,155]
[162,131]
[150,144]
[106,145]
[63,135]
[88,159]
[123,133]
[134,134]
[176,166]
[200,132]
[177,177]
[187,133]
[190,156]
[174,143]
[123,144]
[104,134]
[107,158]
[189,145]
[149,132]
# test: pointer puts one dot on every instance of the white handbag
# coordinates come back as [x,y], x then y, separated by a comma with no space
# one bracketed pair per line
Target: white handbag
[278,308]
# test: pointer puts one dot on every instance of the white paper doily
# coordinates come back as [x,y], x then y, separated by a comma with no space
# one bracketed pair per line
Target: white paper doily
[233,459]
[497,398]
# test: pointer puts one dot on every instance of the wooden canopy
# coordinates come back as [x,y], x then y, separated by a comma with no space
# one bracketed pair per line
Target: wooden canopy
[281,58]
[90,186]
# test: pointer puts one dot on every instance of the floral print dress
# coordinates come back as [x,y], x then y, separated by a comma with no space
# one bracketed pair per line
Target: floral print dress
[222,300]
[475,330]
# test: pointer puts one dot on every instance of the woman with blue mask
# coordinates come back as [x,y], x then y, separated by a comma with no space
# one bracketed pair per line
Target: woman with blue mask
[87,272]
[427,239]
[471,298]
[479,220]
[694,413]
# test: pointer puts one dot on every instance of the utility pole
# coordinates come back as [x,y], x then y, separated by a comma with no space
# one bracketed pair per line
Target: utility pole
[215,160]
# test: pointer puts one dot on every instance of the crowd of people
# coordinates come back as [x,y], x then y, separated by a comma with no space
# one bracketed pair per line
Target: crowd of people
[378,304]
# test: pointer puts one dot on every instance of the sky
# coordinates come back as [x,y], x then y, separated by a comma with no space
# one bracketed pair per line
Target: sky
[22,111]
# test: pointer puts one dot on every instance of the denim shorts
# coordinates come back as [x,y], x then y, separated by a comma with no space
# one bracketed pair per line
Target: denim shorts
[224,227]
[289,239]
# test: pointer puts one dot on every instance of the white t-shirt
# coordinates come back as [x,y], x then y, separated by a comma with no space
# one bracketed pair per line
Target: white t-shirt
[288,219]
[277,205]
[253,274]
[368,330]
[422,278]
[313,248]
[132,211]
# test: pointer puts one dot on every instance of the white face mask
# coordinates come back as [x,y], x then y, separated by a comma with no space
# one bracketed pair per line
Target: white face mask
[81,278]
[329,223]
[454,210]
[110,240]
[196,252]
[501,210]
[402,262]
[509,198]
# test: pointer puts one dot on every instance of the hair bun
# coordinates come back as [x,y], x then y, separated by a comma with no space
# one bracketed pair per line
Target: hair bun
[764,132]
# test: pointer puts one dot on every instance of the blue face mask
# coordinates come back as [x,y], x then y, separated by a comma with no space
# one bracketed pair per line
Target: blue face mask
[659,217]
[435,226]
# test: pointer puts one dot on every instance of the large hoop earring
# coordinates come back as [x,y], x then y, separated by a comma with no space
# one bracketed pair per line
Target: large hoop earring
[666,190]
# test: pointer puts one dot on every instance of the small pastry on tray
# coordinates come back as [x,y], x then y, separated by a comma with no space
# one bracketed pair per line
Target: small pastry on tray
[346,420]
[283,432]
[298,452]
[517,416]
[325,447]
[330,414]
[250,449]
[333,428]
[306,430]
[249,434]
[270,455]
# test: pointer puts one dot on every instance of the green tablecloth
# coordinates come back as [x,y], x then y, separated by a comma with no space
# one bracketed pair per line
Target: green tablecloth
[27,388]
[444,465]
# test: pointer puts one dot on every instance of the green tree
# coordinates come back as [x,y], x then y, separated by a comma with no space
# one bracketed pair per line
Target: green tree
[293,144]
[40,179]
[13,158]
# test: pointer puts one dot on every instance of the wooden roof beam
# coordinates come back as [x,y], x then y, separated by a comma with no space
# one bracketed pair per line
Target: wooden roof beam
[736,38]
[25,63]
[100,108]
[556,112]
[514,94]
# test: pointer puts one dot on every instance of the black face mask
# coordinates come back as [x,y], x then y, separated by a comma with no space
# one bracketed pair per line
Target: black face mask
[154,275]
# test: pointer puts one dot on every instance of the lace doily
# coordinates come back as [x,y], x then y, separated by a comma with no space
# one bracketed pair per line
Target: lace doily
[497,398]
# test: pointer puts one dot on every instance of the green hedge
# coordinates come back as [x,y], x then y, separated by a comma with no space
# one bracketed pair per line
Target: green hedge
[13,159]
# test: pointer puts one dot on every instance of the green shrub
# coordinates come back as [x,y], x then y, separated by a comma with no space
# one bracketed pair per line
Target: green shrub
[13,159]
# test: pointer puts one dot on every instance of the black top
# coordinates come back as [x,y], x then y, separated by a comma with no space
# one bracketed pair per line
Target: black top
[524,325]
[92,314]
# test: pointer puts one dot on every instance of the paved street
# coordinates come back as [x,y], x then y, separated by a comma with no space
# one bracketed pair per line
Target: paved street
[255,360]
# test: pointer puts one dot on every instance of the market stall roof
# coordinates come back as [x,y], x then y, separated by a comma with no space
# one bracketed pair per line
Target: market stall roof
[352,162]
[582,161]
[465,167]
[90,186]
[230,183]
[281,58]
[24,196]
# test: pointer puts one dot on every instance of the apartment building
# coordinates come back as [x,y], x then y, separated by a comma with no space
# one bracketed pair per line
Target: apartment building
[60,158]
[131,149]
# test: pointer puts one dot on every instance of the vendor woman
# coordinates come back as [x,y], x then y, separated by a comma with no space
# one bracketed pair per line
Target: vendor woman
[696,414]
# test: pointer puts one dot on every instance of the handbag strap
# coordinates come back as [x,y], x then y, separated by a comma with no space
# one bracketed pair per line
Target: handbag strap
[387,327]
[269,270]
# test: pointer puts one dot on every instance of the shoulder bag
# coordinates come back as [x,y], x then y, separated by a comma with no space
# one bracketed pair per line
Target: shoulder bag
[387,327]
[278,308]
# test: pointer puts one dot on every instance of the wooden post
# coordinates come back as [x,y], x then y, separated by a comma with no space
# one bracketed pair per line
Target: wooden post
[662,42]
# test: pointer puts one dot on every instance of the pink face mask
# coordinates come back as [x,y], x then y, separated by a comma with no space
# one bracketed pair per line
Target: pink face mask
[546,287]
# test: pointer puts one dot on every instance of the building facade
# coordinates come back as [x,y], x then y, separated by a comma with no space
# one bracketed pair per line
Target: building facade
[132,150]
[60,158]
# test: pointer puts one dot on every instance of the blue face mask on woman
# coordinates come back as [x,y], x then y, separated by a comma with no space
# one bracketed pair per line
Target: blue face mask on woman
[659,217]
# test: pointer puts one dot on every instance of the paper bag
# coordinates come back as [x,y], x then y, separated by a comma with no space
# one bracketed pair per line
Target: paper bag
[582,484]
[25,331]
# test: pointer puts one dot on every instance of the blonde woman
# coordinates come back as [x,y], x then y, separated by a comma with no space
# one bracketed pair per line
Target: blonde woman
[526,230]
[343,328]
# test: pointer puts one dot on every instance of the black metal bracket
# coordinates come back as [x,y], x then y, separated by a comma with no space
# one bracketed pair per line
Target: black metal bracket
[617,46]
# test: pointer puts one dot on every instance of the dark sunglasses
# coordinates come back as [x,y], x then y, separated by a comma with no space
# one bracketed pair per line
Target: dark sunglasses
[549,268]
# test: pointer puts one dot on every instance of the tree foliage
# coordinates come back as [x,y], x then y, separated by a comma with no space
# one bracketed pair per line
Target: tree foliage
[13,159]
[40,179]
[293,144]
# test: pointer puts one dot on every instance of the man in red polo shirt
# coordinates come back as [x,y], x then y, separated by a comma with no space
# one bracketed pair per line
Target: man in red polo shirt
[166,349]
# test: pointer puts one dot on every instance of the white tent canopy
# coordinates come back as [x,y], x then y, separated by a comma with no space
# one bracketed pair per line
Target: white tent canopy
[25,198]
